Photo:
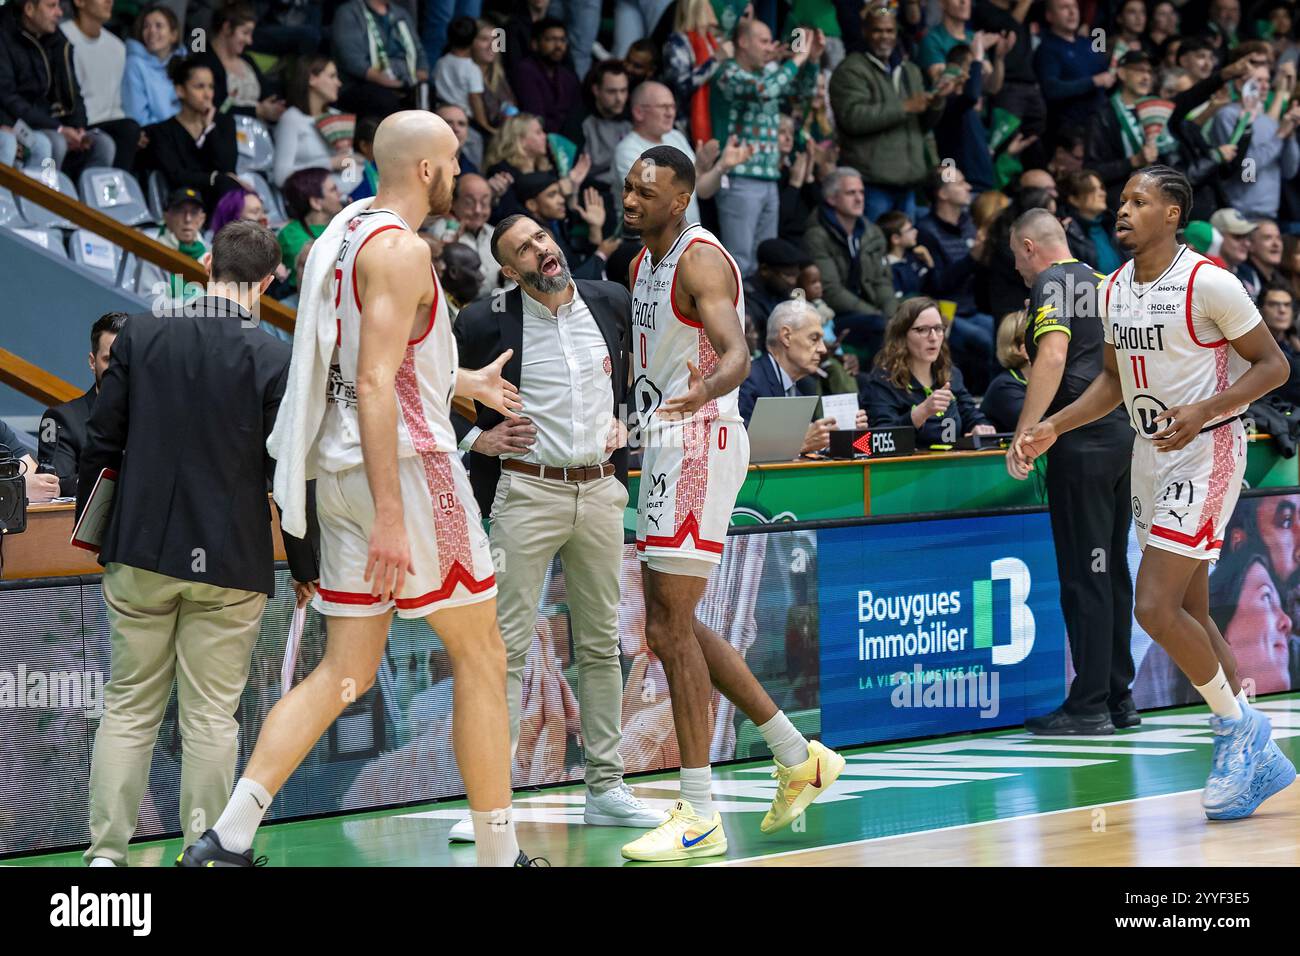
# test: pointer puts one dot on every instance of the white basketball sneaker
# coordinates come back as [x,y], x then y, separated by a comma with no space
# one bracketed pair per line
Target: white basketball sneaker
[620,808]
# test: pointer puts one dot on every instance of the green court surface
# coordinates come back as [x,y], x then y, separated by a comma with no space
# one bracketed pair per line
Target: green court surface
[885,792]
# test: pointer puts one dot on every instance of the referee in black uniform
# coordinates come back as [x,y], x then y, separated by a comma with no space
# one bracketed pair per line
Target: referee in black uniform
[1087,480]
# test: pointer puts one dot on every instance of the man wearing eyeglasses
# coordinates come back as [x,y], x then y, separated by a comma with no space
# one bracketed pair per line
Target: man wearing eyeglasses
[654,110]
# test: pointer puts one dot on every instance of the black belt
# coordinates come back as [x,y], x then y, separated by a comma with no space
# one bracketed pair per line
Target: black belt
[572,473]
[1226,421]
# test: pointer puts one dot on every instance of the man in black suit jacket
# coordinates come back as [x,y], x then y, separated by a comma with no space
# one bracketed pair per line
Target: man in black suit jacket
[63,428]
[555,483]
[183,413]
[789,367]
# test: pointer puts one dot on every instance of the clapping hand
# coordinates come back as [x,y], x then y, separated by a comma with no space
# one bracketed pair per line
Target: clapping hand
[1020,142]
[592,208]
[578,174]
[499,184]
[735,153]
[706,154]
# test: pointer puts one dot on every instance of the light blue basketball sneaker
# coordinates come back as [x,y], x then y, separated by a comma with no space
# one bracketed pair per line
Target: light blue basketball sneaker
[1247,767]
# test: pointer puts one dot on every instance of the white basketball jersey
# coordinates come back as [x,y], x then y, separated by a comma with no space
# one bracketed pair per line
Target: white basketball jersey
[664,340]
[1171,336]
[425,380]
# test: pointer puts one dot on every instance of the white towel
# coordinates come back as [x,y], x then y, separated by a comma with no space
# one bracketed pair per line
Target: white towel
[293,442]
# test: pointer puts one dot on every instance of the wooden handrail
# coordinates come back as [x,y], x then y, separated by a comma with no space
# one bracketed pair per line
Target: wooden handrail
[33,381]
[126,238]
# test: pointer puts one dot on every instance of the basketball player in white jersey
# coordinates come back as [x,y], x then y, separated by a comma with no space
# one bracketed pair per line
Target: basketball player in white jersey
[689,358]
[1186,352]
[399,525]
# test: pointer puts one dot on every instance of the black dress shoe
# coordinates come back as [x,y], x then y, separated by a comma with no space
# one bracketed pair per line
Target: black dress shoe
[1058,722]
[208,851]
[524,860]
[1126,714]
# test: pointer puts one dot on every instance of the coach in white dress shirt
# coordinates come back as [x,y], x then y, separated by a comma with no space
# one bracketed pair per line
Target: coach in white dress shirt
[555,482]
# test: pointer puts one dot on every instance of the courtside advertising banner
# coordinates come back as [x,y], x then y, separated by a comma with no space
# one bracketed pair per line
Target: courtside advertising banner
[938,626]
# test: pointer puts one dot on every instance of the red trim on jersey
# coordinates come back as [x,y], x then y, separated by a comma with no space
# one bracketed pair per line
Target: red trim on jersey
[457,575]
[433,309]
[1114,275]
[346,597]
[1206,534]
[636,263]
[1191,328]
[672,289]
[689,527]
[356,293]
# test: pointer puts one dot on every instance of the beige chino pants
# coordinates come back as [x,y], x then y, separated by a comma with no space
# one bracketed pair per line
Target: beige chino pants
[166,629]
[533,519]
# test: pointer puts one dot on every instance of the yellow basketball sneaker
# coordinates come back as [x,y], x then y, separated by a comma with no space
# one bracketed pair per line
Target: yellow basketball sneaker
[685,835]
[801,784]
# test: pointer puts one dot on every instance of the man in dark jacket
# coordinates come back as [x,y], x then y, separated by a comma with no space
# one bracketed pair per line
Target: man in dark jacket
[791,366]
[883,112]
[187,550]
[1117,144]
[38,85]
[63,427]
[542,200]
[544,83]
[779,263]
[948,232]
[850,251]
[1071,73]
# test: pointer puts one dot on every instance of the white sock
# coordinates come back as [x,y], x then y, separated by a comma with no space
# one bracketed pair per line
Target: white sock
[1218,694]
[494,837]
[697,789]
[102,861]
[243,815]
[788,746]
[1242,699]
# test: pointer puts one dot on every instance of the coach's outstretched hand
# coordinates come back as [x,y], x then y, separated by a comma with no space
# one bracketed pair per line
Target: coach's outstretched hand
[489,387]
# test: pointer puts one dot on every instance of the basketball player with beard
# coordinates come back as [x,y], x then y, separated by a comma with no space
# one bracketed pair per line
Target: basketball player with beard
[1186,352]
[400,529]
[689,358]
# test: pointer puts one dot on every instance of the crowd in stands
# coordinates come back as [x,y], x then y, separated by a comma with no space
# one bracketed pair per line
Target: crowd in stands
[867,158]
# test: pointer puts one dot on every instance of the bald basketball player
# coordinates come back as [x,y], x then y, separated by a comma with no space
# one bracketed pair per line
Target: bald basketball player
[688,340]
[400,529]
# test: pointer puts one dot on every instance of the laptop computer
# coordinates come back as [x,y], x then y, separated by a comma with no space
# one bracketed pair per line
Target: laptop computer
[778,427]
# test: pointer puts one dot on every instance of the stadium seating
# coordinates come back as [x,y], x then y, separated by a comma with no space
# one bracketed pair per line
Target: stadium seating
[47,237]
[38,215]
[115,193]
[256,148]
[9,212]
[95,252]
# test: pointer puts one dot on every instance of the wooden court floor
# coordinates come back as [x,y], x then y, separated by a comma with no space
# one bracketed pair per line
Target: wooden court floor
[997,799]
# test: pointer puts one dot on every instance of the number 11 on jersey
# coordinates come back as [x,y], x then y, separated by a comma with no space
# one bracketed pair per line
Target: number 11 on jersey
[1139,370]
